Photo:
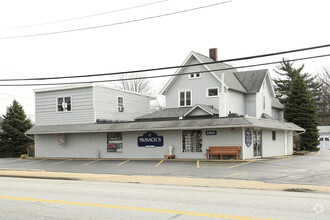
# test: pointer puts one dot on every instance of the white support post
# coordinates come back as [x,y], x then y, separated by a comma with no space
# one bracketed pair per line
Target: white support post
[222,99]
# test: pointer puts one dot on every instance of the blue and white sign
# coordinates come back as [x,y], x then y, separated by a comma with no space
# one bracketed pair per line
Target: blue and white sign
[248,137]
[150,139]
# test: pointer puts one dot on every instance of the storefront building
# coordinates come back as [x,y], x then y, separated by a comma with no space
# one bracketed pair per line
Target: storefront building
[206,105]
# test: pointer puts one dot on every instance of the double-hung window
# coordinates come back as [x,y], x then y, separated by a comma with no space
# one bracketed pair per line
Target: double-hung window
[185,98]
[64,104]
[120,104]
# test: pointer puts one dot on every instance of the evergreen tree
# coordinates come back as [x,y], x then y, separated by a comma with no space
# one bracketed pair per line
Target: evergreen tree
[288,74]
[13,141]
[300,109]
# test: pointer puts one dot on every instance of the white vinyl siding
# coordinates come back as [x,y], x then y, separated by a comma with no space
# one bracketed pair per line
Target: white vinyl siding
[88,104]
[236,103]
[81,107]
[106,104]
[197,86]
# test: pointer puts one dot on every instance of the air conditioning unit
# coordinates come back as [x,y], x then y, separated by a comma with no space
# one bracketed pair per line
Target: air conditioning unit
[120,108]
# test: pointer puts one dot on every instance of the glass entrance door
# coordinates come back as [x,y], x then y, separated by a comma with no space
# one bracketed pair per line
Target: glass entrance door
[257,144]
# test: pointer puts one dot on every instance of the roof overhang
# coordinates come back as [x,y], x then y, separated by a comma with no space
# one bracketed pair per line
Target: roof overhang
[210,123]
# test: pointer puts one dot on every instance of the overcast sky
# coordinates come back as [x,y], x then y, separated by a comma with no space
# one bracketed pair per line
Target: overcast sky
[238,28]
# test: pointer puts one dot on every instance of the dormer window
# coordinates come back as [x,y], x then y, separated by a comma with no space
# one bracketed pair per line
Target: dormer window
[64,104]
[194,75]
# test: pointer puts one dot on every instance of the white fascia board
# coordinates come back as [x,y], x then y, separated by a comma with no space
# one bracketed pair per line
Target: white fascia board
[267,75]
[179,70]
[125,91]
[171,80]
[90,85]
[214,75]
[49,89]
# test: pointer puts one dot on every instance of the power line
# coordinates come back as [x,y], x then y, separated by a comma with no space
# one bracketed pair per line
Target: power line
[170,67]
[114,24]
[167,75]
[83,17]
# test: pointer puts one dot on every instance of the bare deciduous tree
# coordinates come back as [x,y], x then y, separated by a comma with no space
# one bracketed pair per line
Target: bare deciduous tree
[134,83]
[157,106]
[324,113]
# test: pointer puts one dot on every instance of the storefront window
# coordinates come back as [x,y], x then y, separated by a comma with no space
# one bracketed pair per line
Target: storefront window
[114,142]
[192,141]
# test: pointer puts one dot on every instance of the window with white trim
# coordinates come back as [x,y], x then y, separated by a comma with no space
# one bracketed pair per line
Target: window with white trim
[120,104]
[185,98]
[120,101]
[64,104]
[212,92]
[194,75]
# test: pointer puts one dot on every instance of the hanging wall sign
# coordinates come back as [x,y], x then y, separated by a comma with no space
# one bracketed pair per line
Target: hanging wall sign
[150,139]
[248,137]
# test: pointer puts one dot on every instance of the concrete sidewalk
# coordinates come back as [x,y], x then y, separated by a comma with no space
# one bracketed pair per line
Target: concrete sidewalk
[161,180]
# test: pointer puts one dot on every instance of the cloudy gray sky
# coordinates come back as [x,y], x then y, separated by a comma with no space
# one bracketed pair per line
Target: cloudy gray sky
[238,28]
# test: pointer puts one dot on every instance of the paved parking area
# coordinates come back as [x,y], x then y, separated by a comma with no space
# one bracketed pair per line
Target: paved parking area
[313,169]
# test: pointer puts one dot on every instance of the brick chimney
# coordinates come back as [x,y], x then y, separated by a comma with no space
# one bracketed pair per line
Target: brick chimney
[213,54]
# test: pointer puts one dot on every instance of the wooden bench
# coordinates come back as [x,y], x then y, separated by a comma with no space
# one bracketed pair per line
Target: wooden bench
[224,150]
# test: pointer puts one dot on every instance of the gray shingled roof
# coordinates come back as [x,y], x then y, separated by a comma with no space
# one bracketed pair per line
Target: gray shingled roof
[165,125]
[175,112]
[252,80]
[230,79]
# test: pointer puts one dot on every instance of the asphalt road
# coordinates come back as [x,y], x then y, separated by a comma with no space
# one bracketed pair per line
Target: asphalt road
[313,169]
[62,199]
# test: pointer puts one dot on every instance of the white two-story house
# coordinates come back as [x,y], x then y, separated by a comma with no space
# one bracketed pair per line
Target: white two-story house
[208,103]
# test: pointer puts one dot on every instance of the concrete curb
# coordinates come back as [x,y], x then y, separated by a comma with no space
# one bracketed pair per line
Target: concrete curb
[162,180]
